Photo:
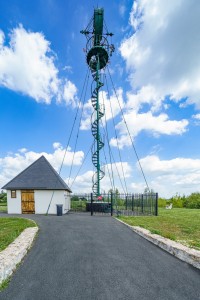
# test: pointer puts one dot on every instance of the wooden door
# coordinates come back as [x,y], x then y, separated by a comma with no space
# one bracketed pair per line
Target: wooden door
[28,202]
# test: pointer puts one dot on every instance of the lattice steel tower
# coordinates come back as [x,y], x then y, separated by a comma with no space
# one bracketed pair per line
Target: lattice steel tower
[98,51]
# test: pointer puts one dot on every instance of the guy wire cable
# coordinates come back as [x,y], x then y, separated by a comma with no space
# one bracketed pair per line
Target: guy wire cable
[129,133]
[106,130]
[116,137]
[78,130]
[68,139]
[114,162]
[81,165]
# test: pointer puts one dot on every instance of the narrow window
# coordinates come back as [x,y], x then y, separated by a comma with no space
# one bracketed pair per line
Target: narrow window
[13,194]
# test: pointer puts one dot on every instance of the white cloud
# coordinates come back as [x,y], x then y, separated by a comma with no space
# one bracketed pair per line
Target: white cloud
[168,177]
[83,183]
[13,164]
[163,61]
[119,168]
[69,94]
[2,37]
[112,105]
[155,125]
[23,150]
[179,165]
[120,172]
[122,9]
[164,51]
[197,116]
[27,65]
[121,141]
[196,119]
[57,145]
[109,105]
[86,118]
[68,68]
[138,187]
[146,95]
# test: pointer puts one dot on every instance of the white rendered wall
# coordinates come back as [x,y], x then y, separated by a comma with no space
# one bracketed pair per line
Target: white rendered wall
[14,204]
[67,205]
[43,197]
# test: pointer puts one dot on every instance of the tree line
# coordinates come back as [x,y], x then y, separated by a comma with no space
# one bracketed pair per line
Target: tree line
[3,196]
[191,201]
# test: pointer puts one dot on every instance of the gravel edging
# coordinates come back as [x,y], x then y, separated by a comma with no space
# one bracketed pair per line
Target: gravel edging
[189,255]
[15,252]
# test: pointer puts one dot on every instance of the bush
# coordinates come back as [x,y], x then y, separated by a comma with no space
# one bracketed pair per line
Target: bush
[162,202]
[75,198]
[3,197]
[120,202]
[192,201]
[177,202]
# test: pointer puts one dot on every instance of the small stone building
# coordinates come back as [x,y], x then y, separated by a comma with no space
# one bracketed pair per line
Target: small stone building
[35,188]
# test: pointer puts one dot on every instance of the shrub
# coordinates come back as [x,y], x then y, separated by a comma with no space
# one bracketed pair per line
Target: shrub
[177,202]
[162,202]
[192,201]
[74,198]
[3,197]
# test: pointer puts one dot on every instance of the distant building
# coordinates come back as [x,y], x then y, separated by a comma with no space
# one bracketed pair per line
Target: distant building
[31,191]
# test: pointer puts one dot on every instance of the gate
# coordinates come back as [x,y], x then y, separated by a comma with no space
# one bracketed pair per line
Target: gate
[100,205]
[116,204]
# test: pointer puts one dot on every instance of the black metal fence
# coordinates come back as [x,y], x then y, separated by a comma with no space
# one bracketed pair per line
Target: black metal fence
[116,204]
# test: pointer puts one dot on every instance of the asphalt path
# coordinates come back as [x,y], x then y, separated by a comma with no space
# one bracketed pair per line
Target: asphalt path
[77,256]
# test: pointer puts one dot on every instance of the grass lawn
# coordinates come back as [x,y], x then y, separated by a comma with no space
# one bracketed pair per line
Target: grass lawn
[179,224]
[10,228]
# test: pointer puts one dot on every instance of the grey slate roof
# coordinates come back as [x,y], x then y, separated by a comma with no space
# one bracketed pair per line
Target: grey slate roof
[39,175]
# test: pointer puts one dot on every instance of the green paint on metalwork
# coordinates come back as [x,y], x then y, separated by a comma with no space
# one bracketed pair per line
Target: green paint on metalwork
[98,25]
[98,51]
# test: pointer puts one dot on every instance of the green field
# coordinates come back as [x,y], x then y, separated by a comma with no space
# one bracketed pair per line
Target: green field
[179,224]
[10,229]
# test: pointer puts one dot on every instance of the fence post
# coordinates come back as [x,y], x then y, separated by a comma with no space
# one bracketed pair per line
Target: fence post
[91,206]
[156,204]
[142,203]
[132,202]
[126,202]
[111,203]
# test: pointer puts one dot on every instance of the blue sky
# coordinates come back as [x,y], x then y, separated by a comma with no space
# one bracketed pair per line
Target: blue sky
[156,73]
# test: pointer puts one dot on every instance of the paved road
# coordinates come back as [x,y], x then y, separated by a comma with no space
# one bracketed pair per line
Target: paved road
[77,256]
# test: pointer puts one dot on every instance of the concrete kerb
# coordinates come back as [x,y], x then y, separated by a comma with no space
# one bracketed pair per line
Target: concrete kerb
[186,254]
[15,252]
